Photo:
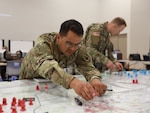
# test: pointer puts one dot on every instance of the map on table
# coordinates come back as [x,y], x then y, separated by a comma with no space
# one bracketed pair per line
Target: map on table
[126,97]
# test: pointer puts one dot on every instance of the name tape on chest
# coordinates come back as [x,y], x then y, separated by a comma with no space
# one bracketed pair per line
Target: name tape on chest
[96,33]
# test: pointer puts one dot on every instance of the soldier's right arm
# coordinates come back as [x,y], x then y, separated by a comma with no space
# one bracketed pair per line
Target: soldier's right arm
[40,61]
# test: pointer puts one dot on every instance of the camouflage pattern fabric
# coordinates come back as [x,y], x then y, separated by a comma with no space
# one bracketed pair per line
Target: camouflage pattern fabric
[45,60]
[98,43]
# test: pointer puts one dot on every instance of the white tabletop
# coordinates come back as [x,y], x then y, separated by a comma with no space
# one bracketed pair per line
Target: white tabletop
[126,97]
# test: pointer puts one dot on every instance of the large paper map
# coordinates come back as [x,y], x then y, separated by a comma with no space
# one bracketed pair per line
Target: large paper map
[127,96]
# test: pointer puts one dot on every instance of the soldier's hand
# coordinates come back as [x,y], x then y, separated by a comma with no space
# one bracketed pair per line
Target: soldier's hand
[110,64]
[83,89]
[99,87]
[119,65]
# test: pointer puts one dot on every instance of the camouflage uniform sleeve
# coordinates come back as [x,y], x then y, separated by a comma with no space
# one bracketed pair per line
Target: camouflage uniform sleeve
[52,71]
[85,66]
[97,56]
[110,50]
[41,62]
[91,40]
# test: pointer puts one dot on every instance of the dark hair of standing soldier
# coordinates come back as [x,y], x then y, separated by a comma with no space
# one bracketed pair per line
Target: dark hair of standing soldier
[71,25]
[119,21]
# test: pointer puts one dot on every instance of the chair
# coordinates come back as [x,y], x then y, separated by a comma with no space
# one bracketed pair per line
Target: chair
[146,58]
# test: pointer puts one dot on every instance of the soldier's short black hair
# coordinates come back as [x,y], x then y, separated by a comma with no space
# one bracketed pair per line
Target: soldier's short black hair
[71,25]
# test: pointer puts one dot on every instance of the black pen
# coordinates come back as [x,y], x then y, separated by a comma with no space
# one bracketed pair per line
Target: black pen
[78,101]
[109,90]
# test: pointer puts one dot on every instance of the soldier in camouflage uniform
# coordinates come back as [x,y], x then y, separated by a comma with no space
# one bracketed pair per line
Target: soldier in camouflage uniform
[99,45]
[55,51]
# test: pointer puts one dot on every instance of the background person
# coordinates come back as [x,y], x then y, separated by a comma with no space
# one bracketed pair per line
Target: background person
[99,45]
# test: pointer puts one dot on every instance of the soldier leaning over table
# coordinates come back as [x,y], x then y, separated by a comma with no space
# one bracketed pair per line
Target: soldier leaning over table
[55,51]
[99,45]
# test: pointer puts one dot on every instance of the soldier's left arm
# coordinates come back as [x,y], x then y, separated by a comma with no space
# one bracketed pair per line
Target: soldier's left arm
[110,56]
[85,65]
[110,50]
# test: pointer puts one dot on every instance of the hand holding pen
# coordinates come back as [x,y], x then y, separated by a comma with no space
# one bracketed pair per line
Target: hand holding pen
[79,102]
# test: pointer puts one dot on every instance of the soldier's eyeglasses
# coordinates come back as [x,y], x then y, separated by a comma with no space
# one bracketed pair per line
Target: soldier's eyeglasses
[70,44]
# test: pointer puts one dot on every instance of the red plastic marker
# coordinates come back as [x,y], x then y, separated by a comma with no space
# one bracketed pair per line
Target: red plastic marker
[13,104]
[14,100]
[4,101]
[23,107]
[31,101]
[136,81]
[133,81]
[37,88]
[14,110]
[19,102]
[1,110]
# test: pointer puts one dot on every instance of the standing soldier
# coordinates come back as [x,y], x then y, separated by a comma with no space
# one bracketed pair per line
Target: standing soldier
[99,45]
[55,51]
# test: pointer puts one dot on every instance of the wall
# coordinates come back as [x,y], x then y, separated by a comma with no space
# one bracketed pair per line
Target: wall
[120,43]
[27,19]
[140,27]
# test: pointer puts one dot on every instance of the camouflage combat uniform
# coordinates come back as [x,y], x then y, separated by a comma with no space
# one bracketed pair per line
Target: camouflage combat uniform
[45,60]
[99,45]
